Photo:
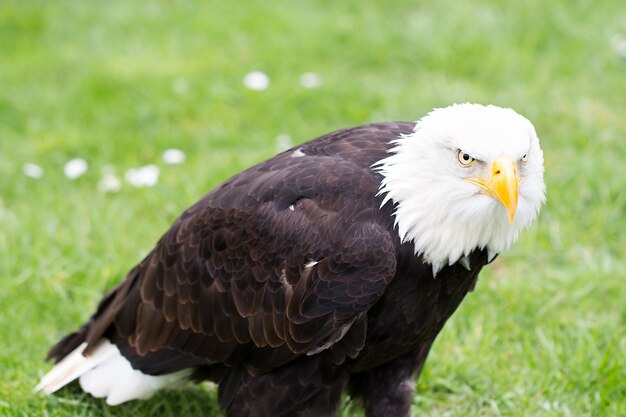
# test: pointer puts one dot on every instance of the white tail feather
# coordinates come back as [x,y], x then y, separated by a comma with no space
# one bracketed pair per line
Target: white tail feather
[74,365]
[106,373]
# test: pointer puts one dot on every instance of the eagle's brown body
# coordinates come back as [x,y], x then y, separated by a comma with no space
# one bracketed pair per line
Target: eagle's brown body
[287,284]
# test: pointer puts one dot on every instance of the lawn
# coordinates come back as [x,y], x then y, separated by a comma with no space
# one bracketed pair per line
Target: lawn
[116,83]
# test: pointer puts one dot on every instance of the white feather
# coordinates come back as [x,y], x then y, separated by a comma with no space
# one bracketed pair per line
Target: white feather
[465,261]
[311,263]
[491,254]
[106,373]
[445,216]
[73,366]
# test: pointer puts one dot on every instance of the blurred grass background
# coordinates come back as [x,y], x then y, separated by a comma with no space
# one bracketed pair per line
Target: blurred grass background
[117,83]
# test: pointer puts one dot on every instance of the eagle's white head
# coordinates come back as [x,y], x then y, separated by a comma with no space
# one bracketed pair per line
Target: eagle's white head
[468,177]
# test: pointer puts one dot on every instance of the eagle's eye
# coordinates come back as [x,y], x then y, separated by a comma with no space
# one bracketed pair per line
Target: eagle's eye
[525,157]
[464,158]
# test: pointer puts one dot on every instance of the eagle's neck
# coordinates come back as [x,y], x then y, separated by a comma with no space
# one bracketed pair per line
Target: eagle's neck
[435,210]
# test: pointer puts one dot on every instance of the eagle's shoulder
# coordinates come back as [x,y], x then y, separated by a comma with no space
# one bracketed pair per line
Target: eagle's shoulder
[332,169]
[364,144]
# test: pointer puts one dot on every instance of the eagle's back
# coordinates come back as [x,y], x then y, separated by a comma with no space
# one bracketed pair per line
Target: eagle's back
[283,259]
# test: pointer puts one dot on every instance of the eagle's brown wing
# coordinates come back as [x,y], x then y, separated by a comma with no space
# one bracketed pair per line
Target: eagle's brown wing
[282,260]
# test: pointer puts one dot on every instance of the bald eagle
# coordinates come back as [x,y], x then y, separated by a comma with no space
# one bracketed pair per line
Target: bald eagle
[330,267]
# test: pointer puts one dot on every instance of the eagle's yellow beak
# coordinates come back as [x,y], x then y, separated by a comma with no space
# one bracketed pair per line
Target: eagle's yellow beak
[503,184]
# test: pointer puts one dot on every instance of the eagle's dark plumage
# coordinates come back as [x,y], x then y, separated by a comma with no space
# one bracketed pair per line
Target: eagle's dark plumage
[287,284]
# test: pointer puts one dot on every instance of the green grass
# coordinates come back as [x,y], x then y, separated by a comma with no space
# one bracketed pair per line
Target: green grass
[544,333]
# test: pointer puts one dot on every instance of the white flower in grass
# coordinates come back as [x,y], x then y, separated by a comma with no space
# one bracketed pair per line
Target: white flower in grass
[283,142]
[173,156]
[180,86]
[619,44]
[109,183]
[256,80]
[32,170]
[311,80]
[146,176]
[75,168]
